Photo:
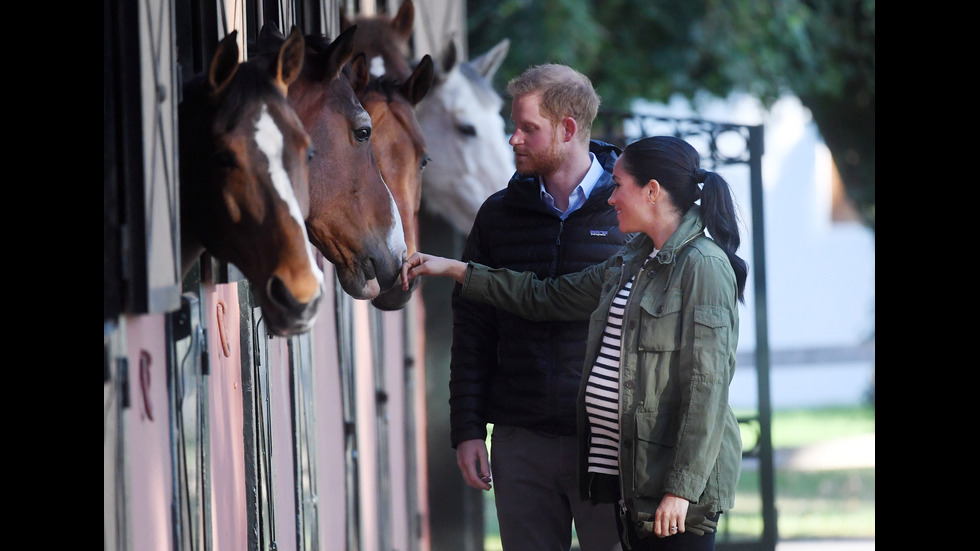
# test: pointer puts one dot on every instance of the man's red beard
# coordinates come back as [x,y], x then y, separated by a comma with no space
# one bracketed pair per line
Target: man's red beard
[541,164]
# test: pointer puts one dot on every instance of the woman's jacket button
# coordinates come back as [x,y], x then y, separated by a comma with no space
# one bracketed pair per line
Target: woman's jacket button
[629,384]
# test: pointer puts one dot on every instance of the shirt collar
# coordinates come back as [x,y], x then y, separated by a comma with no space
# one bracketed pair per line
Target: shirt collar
[581,192]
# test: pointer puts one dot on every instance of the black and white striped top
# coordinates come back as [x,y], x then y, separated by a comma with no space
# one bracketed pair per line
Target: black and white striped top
[602,390]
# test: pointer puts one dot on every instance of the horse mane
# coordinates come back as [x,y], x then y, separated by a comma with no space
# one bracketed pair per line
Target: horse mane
[384,85]
[319,42]
[271,38]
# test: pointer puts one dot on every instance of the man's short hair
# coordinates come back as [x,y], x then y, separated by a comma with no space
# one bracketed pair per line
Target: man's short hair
[564,91]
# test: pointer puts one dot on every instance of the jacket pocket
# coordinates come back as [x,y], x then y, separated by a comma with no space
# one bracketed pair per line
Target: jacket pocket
[713,335]
[660,322]
[653,454]
[502,432]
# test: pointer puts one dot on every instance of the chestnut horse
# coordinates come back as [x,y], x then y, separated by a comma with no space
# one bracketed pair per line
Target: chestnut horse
[389,88]
[243,181]
[353,219]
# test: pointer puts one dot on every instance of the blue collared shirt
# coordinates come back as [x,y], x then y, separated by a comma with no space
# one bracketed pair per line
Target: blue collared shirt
[579,194]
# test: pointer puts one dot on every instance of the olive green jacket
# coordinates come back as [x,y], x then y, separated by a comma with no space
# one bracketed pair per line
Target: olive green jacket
[680,331]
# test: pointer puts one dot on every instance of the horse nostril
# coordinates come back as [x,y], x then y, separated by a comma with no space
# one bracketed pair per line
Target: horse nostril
[280,294]
[304,293]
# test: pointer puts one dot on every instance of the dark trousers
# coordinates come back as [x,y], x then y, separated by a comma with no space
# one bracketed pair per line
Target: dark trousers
[536,494]
[679,542]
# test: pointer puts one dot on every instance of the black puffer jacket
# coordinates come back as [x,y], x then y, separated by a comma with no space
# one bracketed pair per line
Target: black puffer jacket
[505,369]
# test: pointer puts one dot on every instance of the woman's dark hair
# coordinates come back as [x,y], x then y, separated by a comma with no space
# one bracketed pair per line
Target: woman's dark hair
[676,165]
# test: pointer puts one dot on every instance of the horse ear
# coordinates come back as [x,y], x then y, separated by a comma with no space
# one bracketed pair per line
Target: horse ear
[447,58]
[488,63]
[225,62]
[337,54]
[420,81]
[270,37]
[404,20]
[360,73]
[345,23]
[290,59]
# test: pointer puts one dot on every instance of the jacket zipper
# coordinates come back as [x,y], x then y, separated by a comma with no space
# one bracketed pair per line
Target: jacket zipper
[625,521]
[623,512]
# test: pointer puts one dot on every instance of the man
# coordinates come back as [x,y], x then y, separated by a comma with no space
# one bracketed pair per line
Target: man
[523,376]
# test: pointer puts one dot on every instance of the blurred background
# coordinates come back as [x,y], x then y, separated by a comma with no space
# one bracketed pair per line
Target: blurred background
[803,71]
[778,95]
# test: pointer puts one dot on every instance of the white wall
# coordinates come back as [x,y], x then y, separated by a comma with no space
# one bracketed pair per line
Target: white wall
[820,274]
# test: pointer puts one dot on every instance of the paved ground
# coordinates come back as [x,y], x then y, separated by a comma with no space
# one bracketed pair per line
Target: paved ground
[826,545]
[855,452]
[846,453]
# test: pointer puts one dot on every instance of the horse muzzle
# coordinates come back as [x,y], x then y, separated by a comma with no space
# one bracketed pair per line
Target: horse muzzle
[285,316]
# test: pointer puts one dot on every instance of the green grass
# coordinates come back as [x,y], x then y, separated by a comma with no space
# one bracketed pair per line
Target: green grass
[801,427]
[810,504]
[823,504]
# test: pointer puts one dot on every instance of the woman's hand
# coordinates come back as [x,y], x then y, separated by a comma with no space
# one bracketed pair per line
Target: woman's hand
[426,264]
[670,516]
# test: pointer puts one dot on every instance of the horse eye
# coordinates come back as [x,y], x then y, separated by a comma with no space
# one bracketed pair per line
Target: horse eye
[466,129]
[362,134]
[310,153]
[424,162]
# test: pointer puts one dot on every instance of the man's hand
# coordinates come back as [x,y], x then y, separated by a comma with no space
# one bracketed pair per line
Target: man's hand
[471,456]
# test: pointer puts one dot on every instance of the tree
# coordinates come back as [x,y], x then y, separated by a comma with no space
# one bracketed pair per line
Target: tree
[822,51]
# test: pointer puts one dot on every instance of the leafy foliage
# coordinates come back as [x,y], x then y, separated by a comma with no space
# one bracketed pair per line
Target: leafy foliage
[823,51]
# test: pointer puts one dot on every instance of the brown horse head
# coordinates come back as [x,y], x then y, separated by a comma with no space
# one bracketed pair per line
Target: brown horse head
[389,87]
[243,180]
[353,219]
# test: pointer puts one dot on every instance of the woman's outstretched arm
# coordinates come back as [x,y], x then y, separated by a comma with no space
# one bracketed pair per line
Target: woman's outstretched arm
[426,264]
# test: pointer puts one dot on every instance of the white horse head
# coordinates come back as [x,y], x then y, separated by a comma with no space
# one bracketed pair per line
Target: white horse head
[465,136]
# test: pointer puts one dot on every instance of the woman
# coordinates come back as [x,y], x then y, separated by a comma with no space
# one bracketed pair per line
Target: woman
[656,434]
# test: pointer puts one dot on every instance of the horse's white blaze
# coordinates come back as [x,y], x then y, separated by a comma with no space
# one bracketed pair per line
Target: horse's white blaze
[270,141]
[377,66]
[396,235]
